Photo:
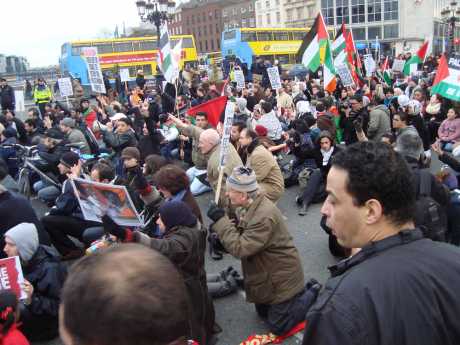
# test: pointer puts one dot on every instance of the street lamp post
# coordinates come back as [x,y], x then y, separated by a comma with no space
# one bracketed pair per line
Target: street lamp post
[155,12]
[450,14]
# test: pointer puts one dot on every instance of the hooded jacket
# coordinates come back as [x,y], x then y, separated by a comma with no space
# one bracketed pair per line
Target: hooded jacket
[379,123]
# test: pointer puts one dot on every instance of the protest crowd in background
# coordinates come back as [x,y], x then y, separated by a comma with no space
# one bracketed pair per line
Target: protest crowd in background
[359,141]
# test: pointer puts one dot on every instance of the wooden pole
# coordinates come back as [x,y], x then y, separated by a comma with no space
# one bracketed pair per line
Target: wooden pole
[219,184]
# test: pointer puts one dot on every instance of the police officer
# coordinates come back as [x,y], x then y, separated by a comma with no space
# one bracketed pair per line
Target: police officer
[42,96]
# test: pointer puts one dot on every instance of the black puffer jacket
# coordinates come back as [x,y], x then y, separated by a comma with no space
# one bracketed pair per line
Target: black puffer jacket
[47,275]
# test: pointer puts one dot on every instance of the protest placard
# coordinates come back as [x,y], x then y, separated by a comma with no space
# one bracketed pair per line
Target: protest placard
[94,69]
[274,76]
[413,69]
[345,75]
[20,102]
[239,77]
[369,64]
[97,199]
[398,65]
[124,74]
[65,87]
[11,277]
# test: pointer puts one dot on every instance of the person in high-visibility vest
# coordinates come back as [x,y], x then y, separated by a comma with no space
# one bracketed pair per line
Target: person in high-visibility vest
[42,96]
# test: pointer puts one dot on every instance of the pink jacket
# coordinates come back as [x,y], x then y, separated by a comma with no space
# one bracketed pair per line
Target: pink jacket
[449,130]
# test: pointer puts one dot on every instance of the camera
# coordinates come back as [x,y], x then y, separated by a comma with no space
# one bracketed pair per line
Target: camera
[358,124]
[216,249]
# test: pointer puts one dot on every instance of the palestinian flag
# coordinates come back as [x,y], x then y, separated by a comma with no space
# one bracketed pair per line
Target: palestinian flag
[165,58]
[213,108]
[447,80]
[330,81]
[351,57]
[312,50]
[339,47]
[385,74]
[416,59]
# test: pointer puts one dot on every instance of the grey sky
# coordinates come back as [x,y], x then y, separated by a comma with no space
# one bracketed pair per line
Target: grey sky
[37,29]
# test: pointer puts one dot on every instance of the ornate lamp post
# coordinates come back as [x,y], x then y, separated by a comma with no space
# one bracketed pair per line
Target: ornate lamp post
[155,12]
[450,15]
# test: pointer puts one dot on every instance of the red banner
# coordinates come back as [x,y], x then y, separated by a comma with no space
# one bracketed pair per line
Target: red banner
[116,59]
[213,108]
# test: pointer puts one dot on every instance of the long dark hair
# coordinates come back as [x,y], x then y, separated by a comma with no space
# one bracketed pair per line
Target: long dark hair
[8,306]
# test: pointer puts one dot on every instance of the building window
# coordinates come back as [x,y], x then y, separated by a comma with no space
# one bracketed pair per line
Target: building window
[259,5]
[251,8]
[267,5]
[374,10]
[226,26]
[300,13]
[357,11]
[327,9]
[216,14]
[205,30]
[210,29]
[373,32]
[277,2]
[343,15]
[212,45]
[193,19]
[234,11]
[224,13]
[289,15]
[391,31]
[218,44]
[359,34]
[217,27]
[269,19]
[278,18]
[206,44]
[390,10]
[199,31]
[201,46]
[187,20]
[204,17]
[198,18]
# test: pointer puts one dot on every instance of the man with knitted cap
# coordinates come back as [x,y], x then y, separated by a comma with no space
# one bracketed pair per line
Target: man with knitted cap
[273,274]
[44,277]
[74,135]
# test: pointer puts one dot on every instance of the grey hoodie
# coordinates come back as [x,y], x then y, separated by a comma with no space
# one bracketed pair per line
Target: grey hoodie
[25,236]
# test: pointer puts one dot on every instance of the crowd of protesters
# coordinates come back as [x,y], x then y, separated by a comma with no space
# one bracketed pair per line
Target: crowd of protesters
[364,150]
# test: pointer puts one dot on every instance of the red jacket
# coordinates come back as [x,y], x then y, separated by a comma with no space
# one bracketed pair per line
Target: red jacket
[14,337]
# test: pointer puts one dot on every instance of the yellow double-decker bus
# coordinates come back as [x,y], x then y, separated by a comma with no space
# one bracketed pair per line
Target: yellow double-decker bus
[134,53]
[280,44]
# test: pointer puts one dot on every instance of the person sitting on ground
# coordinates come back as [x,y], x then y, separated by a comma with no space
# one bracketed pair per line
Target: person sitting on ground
[9,317]
[265,166]
[184,243]
[34,136]
[74,135]
[271,122]
[197,173]
[273,275]
[209,144]
[315,188]
[156,313]
[44,277]
[449,130]
[123,135]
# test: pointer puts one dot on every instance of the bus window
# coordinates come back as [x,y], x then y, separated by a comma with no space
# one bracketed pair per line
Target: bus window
[264,36]
[230,35]
[248,36]
[292,59]
[298,35]
[76,51]
[280,36]
[64,49]
[187,42]
[104,48]
[120,47]
[147,45]
[147,69]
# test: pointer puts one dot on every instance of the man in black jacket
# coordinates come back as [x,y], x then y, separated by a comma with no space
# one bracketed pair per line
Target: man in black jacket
[7,99]
[399,288]
[352,118]
[44,277]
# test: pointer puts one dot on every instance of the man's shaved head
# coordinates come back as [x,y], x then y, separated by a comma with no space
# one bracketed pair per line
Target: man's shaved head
[129,294]
[209,138]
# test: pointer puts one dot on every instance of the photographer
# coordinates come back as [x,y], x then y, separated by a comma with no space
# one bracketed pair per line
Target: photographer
[353,118]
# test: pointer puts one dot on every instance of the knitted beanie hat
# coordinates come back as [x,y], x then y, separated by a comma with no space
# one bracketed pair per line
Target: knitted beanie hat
[243,179]
[174,213]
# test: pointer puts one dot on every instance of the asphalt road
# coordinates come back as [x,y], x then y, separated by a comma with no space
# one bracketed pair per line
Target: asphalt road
[236,317]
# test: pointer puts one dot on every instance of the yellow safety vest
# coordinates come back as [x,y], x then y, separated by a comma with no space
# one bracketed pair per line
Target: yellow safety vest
[42,96]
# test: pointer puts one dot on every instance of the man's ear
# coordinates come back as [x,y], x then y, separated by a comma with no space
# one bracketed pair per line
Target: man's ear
[374,211]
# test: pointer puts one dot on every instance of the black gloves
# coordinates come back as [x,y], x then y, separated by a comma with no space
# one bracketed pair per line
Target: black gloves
[312,289]
[215,212]
[113,228]
[140,181]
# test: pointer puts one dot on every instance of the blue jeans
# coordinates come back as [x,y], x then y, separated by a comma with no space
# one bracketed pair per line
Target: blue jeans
[167,149]
[196,186]
[45,191]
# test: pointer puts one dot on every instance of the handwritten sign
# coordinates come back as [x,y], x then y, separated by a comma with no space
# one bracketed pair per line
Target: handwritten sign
[225,140]
[345,75]
[274,76]
[369,64]
[398,65]
[239,77]
[65,87]
[94,69]
[124,74]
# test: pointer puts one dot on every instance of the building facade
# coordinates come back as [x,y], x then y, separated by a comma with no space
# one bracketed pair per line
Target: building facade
[239,14]
[203,20]
[270,14]
[400,25]
[2,64]
[300,13]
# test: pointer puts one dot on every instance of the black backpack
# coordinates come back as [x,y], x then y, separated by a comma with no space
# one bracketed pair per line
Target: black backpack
[430,216]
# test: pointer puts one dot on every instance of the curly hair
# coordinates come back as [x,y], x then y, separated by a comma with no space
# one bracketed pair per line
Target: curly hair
[376,171]
[172,178]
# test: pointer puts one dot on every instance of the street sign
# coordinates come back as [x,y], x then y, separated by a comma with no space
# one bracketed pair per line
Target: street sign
[94,69]
[274,77]
[124,74]
[65,87]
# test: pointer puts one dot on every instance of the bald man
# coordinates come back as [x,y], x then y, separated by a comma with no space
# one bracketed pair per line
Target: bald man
[138,311]
[209,144]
